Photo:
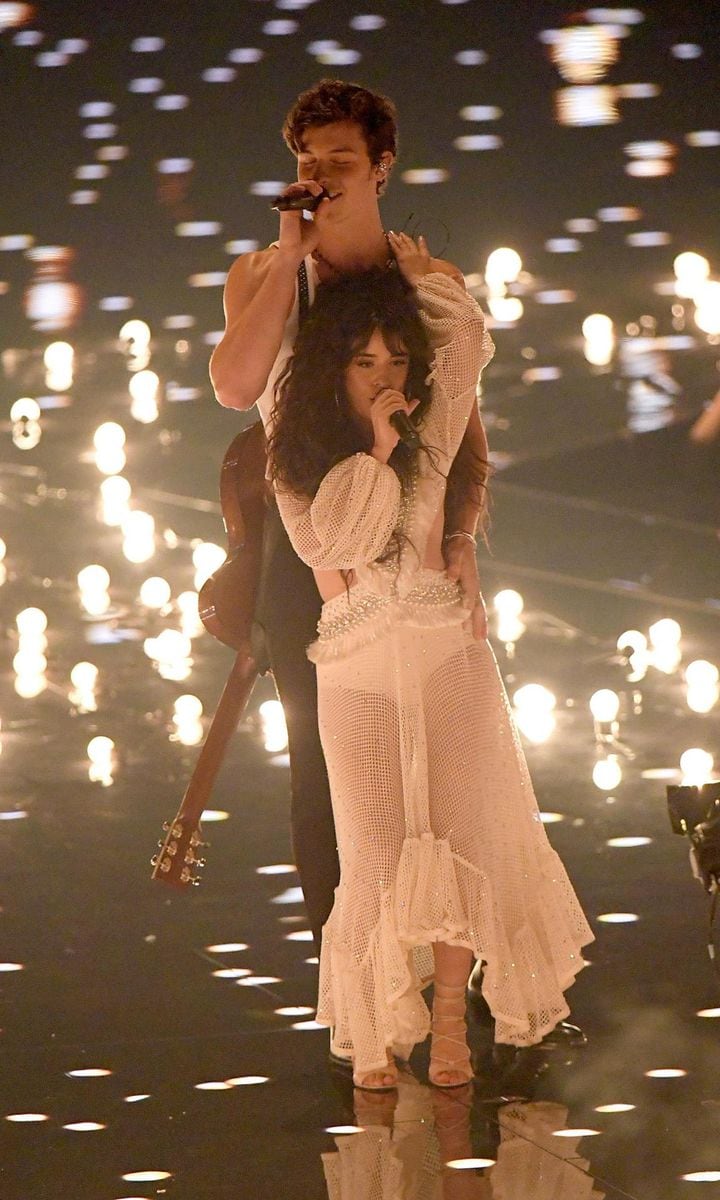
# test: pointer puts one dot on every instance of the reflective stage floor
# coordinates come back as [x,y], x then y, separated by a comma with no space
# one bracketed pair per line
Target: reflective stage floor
[162,1044]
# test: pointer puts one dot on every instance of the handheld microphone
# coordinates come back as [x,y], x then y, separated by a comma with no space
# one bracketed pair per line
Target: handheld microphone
[299,202]
[402,424]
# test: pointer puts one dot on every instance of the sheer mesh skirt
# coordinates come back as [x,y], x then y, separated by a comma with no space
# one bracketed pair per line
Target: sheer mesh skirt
[439,834]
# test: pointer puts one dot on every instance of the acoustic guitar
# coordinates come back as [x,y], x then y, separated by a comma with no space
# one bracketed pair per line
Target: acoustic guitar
[226,604]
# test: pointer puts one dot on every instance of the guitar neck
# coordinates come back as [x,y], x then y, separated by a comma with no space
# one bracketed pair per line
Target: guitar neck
[230,709]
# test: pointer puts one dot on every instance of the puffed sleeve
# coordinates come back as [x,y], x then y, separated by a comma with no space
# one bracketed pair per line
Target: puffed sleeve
[461,345]
[351,518]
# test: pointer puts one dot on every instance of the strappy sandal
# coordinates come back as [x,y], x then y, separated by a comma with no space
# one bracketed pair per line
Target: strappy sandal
[388,1077]
[449,1052]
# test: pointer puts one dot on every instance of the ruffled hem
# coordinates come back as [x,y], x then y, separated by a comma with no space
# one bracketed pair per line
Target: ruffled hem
[378,624]
[372,1001]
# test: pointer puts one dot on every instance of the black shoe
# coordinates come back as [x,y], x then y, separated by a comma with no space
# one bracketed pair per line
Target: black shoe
[339,1063]
[477,1003]
[564,1037]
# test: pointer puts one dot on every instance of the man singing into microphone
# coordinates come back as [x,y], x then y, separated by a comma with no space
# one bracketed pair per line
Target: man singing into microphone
[344,139]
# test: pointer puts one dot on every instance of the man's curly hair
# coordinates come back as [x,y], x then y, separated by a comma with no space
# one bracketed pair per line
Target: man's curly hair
[333,100]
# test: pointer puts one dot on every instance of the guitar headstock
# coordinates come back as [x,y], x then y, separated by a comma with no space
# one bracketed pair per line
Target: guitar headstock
[178,859]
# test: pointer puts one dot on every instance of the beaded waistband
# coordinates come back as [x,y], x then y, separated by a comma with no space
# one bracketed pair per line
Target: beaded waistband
[349,610]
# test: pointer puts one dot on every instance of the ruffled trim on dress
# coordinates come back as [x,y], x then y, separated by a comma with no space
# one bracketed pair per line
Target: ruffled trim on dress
[377,625]
[440,896]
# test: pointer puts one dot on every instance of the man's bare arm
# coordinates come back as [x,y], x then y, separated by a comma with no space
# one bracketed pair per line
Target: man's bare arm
[465,511]
[469,508]
[259,294]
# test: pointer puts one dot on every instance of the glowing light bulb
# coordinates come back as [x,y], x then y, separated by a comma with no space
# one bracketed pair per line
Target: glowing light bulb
[537,725]
[597,325]
[503,265]
[701,673]
[109,436]
[599,339]
[691,272]
[31,622]
[138,524]
[168,646]
[30,686]
[115,493]
[100,749]
[274,729]
[508,603]
[138,530]
[190,622]
[604,705]
[665,633]
[84,675]
[144,385]
[25,409]
[533,696]
[208,557]
[696,766]
[144,388]
[632,639]
[703,698]
[137,333]
[188,707]
[607,773]
[583,53]
[93,579]
[505,309]
[155,592]
[29,661]
[110,460]
[59,360]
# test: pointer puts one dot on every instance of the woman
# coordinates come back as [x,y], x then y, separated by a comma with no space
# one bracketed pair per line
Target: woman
[443,856]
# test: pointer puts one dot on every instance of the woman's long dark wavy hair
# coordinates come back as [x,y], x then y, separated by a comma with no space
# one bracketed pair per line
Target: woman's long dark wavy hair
[314,426]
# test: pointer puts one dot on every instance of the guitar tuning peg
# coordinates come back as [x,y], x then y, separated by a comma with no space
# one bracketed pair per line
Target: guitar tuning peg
[200,862]
[166,826]
[154,860]
[161,843]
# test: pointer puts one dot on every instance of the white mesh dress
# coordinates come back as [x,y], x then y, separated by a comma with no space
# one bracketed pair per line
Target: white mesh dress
[438,830]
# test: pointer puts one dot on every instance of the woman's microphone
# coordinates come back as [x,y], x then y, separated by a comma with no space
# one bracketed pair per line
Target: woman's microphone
[402,424]
[298,202]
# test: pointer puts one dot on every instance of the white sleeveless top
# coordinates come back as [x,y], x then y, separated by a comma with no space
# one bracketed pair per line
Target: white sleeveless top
[266,402]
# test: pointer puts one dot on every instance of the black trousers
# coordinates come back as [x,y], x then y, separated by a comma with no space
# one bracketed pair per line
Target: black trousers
[287,613]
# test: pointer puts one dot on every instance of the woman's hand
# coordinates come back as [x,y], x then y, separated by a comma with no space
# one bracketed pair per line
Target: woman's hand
[385,436]
[413,258]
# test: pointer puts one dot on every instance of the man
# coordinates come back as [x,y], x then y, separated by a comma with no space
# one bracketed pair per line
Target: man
[344,138]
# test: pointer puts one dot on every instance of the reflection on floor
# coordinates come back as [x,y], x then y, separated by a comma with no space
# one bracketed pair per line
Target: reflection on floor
[162,1044]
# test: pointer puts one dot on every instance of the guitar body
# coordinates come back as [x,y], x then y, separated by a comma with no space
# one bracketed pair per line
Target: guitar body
[226,603]
[227,599]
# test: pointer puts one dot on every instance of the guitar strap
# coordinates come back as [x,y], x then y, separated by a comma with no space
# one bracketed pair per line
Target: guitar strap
[273,529]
